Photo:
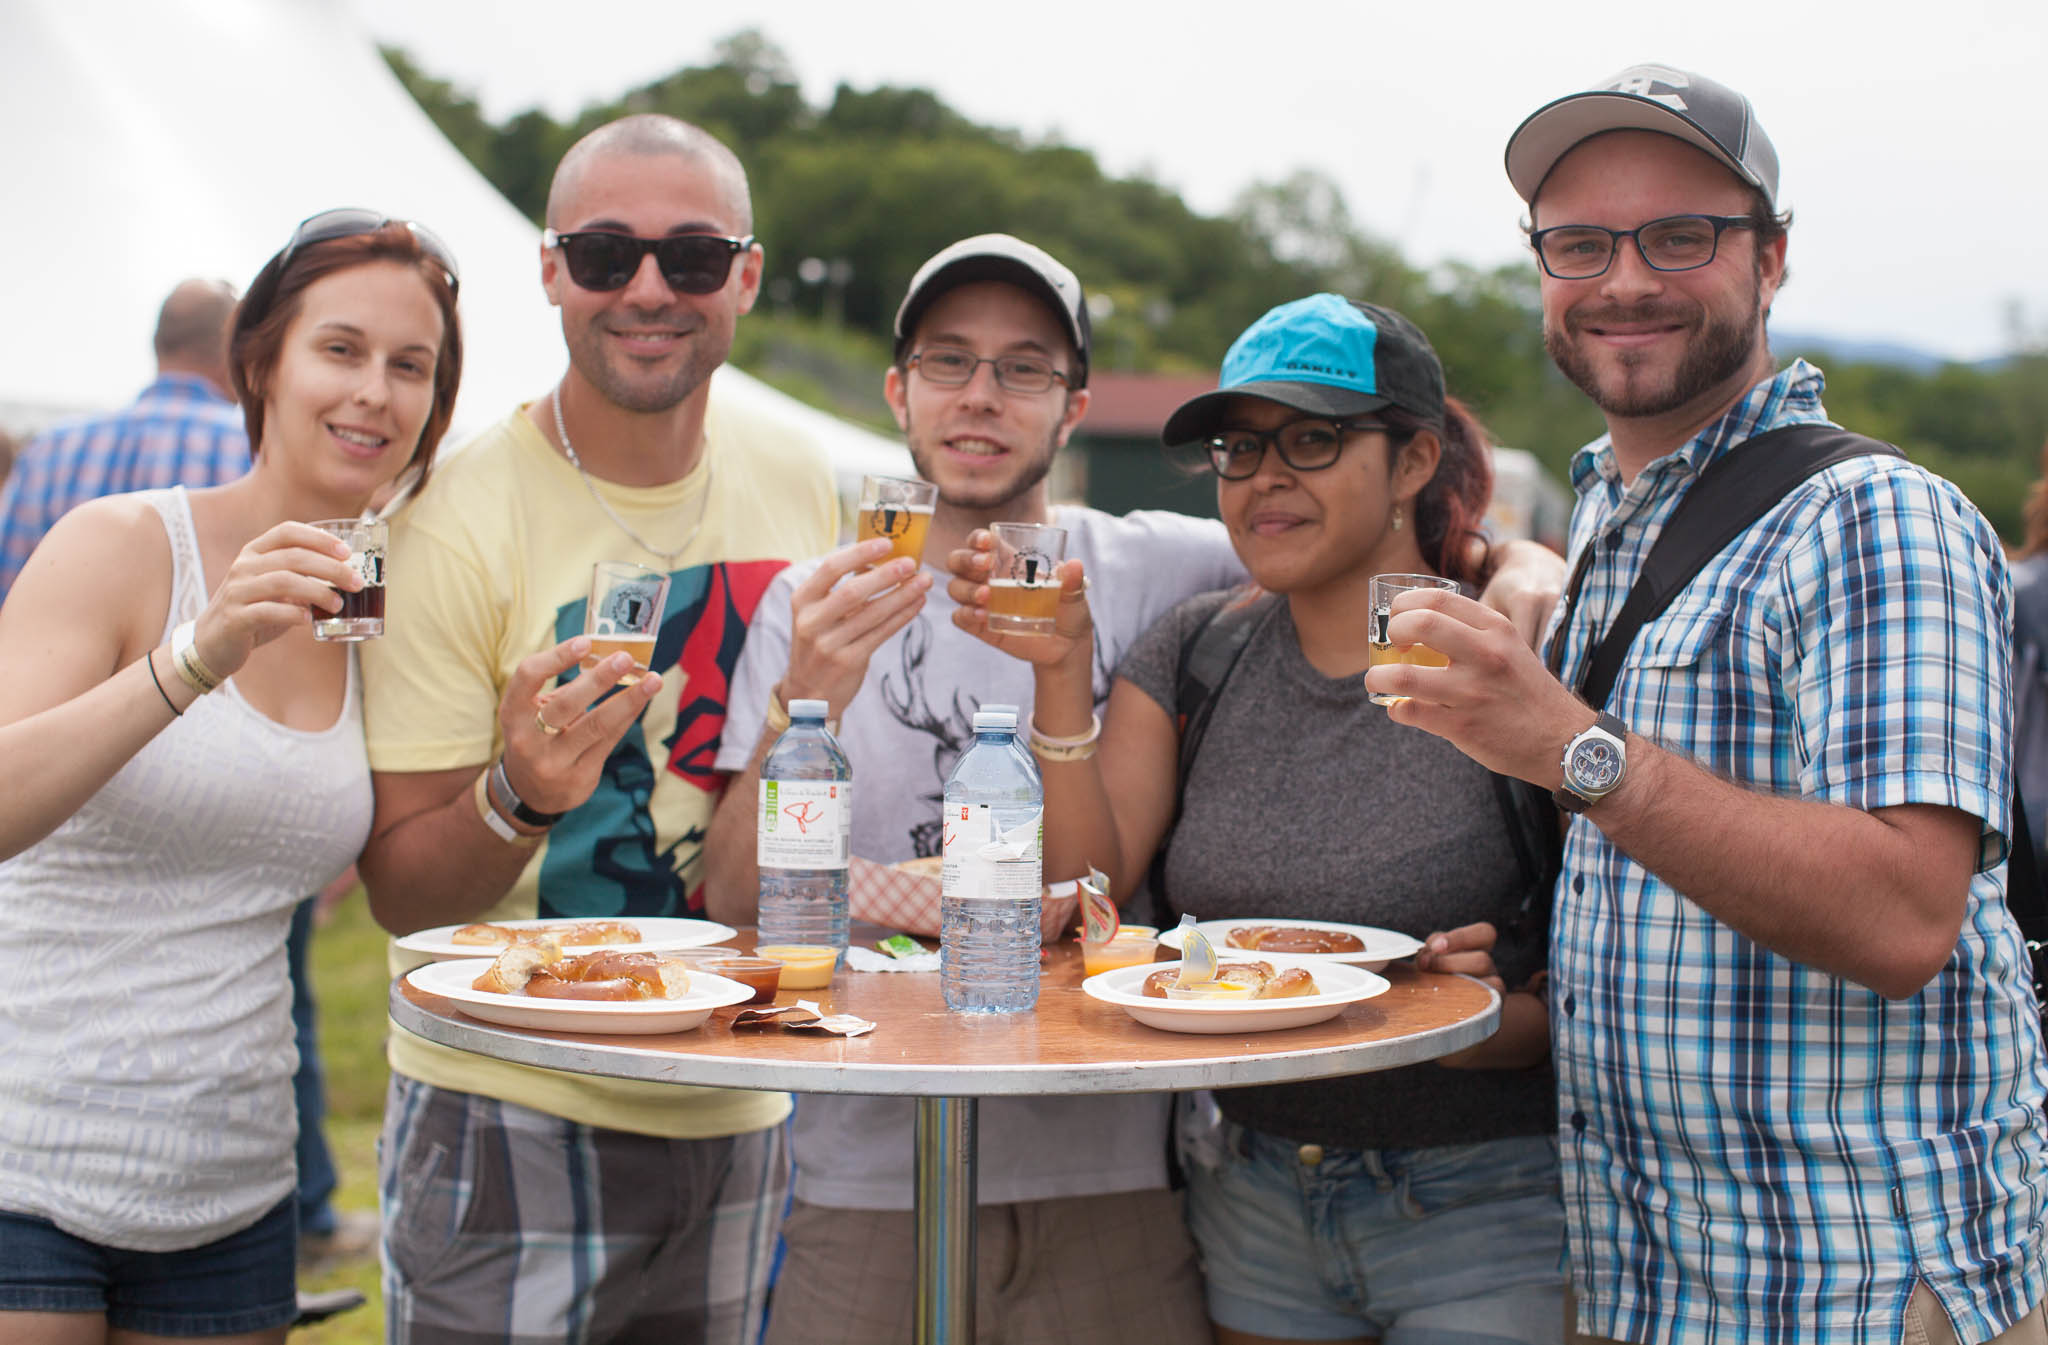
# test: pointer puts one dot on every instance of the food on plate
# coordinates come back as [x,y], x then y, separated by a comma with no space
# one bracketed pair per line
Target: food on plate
[1293,939]
[545,973]
[1237,980]
[515,967]
[583,934]
[1097,958]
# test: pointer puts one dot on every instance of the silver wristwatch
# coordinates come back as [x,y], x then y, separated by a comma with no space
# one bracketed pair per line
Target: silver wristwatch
[1594,764]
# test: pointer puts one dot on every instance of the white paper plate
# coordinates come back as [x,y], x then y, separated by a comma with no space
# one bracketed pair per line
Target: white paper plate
[454,980]
[658,934]
[1340,985]
[1381,945]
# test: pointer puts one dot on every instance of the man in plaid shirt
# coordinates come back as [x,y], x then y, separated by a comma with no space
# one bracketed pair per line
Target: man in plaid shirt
[182,430]
[1799,1062]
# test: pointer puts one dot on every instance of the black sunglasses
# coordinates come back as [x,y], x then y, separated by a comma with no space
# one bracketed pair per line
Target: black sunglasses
[329,225]
[603,261]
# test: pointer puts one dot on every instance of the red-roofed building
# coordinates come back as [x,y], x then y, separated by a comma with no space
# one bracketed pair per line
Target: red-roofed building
[1122,464]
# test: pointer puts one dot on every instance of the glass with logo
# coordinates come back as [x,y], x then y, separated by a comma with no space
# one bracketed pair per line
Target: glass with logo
[1384,589]
[1024,583]
[624,615]
[362,612]
[897,509]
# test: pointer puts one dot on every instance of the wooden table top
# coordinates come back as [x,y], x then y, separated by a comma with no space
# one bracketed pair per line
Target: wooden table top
[1069,1044]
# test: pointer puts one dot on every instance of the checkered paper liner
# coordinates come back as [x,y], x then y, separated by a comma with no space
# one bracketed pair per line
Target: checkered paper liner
[891,897]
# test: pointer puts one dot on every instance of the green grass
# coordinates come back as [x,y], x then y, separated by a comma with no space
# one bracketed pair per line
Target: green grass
[350,986]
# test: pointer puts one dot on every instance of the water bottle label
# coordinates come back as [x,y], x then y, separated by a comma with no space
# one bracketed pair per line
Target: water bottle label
[804,824]
[982,862]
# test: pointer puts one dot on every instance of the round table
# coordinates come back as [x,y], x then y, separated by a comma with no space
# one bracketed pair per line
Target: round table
[1069,1044]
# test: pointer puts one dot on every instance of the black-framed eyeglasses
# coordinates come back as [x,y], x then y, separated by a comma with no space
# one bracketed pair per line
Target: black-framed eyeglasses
[1675,243]
[603,260]
[1307,445]
[350,222]
[952,367]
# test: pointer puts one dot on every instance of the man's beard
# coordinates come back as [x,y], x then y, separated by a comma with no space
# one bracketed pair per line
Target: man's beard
[1721,351]
[587,351]
[981,495]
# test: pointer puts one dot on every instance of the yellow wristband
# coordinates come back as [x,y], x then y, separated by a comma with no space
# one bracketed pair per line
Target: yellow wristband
[778,713]
[185,660]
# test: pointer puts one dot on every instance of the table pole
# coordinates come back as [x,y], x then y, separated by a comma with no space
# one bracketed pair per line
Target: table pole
[945,1220]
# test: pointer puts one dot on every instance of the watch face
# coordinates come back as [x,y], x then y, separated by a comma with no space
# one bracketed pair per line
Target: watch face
[1595,766]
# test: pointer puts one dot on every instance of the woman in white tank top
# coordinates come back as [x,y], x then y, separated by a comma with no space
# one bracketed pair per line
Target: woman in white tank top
[156,837]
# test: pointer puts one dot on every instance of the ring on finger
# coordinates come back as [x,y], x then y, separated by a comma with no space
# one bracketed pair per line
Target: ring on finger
[540,721]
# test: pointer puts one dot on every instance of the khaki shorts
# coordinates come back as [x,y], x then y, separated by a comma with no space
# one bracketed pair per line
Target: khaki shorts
[1109,1269]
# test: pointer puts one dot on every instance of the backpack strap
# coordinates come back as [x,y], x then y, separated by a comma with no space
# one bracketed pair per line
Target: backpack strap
[1734,492]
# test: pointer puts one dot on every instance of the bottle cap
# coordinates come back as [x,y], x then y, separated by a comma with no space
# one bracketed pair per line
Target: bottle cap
[807,709]
[995,717]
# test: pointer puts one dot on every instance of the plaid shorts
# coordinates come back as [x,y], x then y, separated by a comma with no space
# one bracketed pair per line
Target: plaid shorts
[506,1225]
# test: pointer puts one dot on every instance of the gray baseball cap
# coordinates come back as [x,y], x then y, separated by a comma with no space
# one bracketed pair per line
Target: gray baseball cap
[1013,261]
[1703,113]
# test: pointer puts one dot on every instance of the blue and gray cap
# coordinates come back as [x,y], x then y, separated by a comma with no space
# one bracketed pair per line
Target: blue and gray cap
[1703,113]
[1325,355]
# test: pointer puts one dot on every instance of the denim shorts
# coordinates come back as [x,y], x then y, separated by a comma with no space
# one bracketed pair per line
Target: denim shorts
[1462,1243]
[246,1281]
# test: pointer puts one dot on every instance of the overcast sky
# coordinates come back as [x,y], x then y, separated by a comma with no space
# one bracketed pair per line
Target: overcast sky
[1913,138]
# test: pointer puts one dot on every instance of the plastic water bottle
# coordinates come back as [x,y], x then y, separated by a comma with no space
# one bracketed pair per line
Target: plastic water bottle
[803,830]
[994,834]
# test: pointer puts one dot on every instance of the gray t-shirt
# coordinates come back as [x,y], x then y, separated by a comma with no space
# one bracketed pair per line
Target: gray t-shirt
[903,731]
[1306,800]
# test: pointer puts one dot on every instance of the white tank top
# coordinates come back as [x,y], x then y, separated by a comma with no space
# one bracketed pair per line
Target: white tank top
[146,1050]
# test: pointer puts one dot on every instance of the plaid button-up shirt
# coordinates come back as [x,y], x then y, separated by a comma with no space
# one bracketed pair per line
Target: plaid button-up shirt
[1754,1149]
[179,432]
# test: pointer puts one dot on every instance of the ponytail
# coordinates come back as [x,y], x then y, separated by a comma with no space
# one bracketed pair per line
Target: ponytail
[1450,509]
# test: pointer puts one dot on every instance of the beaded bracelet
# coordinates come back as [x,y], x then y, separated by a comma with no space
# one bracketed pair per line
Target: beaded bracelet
[185,661]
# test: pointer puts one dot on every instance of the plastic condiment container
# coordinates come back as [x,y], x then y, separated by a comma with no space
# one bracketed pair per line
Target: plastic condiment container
[762,975]
[804,966]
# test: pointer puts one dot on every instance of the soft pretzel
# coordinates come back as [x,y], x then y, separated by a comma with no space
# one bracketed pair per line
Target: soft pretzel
[580,935]
[1266,983]
[611,974]
[515,967]
[1293,939]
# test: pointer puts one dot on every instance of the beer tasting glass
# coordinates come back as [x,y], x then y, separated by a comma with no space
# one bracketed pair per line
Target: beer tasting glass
[897,509]
[1023,584]
[1385,588]
[626,603]
[362,613]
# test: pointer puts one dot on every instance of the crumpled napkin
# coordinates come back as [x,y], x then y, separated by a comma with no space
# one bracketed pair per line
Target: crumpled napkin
[867,959]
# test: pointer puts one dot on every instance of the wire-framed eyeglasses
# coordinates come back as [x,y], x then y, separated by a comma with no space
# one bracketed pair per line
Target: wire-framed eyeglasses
[1675,243]
[1307,445]
[952,367]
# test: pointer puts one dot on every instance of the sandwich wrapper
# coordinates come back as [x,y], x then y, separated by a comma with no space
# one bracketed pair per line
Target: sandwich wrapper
[881,894]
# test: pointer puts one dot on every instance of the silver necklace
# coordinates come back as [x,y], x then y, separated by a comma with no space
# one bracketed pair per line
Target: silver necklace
[668,558]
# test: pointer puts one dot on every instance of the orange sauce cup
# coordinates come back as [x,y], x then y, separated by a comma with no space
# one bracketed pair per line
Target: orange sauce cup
[1097,958]
[804,966]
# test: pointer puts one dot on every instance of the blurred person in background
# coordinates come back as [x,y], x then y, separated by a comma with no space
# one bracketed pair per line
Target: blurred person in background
[197,768]
[183,430]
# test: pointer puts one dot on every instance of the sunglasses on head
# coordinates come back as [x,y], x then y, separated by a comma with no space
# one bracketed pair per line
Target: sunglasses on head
[601,260]
[329,225]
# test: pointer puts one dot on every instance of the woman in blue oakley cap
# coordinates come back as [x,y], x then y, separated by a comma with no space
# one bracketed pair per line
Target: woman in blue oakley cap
[1416,1204]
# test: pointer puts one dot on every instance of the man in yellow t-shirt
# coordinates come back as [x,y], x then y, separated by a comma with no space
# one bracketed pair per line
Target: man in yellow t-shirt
[523,1204]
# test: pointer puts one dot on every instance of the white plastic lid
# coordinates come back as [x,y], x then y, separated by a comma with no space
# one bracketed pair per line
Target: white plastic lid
[807,709]
[996,717]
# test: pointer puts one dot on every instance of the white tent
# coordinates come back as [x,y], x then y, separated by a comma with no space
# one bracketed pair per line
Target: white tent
[150,140]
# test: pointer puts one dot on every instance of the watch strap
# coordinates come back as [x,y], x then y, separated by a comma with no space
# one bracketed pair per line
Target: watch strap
[507,798]
[495,820]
